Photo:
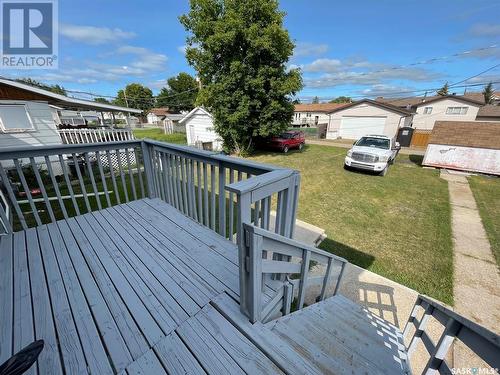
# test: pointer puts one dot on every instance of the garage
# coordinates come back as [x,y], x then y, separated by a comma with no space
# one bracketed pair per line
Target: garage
[366,116]
[354,127]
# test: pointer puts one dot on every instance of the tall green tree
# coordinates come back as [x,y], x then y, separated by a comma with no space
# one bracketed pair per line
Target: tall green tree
[102,100]
[180,93]
[488,93]
[443,91]
[240,49]
[315,100]
[135,95]
[56,89]
[341,99]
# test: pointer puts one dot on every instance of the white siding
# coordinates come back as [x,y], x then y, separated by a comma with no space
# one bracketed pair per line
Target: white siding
[393,120]
[309,118]
[45,132]
[200,128]
[426,121]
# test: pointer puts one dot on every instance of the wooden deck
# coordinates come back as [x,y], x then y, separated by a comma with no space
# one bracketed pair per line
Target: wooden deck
[139,288]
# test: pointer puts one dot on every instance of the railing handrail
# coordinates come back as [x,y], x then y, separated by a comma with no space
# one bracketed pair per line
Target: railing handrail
[289,241]
[483,342]
[213,155]
[47,150]
[258,268]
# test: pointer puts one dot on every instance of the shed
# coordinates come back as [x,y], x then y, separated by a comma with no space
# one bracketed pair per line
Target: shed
[465,145]
[364,117]
[200,130]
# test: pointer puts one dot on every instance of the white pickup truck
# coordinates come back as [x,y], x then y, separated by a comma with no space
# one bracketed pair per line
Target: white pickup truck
[373,153]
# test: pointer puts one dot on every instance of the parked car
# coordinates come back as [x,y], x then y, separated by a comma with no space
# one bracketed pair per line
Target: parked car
[373,153]
[286,141]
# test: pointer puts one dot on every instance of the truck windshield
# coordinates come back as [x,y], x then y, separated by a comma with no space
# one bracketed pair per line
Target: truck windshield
[374,142]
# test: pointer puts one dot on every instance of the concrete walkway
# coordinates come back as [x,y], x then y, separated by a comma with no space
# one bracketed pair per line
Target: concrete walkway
[476,278]
[344,144]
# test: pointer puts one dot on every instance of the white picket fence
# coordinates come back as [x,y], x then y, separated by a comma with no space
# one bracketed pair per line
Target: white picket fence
[79,136]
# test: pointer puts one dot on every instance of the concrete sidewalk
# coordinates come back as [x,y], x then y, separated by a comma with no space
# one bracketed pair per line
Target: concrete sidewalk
[344,144]
[476,278]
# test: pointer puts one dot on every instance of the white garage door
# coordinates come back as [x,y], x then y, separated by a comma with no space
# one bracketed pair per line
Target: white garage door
[356,127]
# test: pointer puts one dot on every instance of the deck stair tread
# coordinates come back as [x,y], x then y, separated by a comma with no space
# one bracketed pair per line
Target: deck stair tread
[319,342]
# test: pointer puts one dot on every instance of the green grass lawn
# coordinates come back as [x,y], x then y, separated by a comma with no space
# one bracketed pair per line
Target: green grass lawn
[397,226]
[179,138]
[486,191]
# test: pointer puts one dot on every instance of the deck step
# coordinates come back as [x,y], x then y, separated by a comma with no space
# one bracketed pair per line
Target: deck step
[334,336]
[339,332]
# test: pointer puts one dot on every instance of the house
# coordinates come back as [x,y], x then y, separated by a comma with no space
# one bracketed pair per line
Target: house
[200,130]
[313,114]
[465,145]
[30,115]
[157,115]
[489,112]
[354,120]
[428,110]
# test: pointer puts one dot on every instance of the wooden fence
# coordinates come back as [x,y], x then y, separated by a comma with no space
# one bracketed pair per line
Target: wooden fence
[420,138]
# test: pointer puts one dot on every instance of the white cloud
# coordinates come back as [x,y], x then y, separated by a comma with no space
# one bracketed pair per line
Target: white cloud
[182,49]
[485,30]
[323,65]
[384,90]
[94,35]
[309,49]
[349,74]
[147,59]
[158,84]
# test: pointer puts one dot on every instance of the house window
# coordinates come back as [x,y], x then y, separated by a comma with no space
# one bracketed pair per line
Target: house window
[308,114]
[427,110]
[456,110]
[15,118]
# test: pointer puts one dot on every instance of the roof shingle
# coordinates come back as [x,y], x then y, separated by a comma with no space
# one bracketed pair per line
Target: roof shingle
[480,134]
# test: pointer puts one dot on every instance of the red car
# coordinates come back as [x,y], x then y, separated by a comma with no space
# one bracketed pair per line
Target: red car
[287,140]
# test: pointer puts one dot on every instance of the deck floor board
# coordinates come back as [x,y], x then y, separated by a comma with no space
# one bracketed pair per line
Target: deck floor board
[139,288]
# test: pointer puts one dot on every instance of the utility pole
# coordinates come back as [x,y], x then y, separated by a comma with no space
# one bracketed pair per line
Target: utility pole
[125,95]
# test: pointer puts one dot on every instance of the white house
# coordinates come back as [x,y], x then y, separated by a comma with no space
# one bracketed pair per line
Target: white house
[312,115]
[428,110]
[200,130]
[30,115]
[364,117]
[157,115]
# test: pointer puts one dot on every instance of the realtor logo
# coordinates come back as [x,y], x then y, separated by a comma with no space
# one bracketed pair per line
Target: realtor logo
[29,34]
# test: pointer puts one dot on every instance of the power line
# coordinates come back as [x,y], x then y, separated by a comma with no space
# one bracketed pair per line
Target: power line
[403,92]
[475,75]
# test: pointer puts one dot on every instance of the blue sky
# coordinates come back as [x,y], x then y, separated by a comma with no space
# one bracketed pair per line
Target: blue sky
[343,48]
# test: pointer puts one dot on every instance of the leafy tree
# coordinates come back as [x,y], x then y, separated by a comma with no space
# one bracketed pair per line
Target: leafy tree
[56,89]
[488,93]
[443,91]
[341,99]
[102,100]
[135,95]
[240,49]
[315,100]
[296,101]
[180,93]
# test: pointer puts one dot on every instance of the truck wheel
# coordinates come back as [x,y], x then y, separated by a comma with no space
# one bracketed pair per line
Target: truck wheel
[285,149]
[384,172]
[301,146]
